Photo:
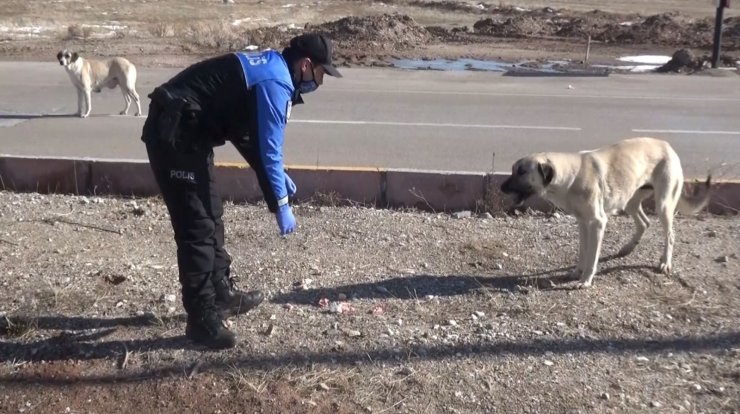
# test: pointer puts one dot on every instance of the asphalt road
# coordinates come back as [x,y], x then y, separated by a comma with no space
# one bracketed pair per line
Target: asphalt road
[410,119]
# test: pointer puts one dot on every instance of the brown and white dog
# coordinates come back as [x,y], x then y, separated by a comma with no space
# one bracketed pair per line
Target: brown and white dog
[591,185]
[90,75]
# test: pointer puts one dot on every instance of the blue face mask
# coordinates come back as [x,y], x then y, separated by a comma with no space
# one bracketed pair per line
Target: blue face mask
[308,86]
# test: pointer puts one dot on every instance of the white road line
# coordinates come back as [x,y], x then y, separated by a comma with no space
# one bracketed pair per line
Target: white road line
[686,131]
[542,95]
[430,124]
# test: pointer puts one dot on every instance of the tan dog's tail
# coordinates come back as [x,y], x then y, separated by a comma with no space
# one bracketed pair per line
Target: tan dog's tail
[695,202]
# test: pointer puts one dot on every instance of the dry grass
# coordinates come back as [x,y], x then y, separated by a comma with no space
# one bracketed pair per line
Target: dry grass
[328,199]
[242,380]
[78,32]
[162,29]
[165,18]
[220,36]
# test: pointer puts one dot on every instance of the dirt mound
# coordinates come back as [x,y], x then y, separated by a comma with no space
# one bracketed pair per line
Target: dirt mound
[731,28]
[275,37]
[387,32]
[661,29]
[516,26]
[667,28]
[509,22]
[592,24]
[681,60]
[451,6]
[684,61]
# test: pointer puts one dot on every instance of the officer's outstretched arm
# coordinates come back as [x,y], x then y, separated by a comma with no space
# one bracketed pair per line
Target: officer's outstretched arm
[273,102]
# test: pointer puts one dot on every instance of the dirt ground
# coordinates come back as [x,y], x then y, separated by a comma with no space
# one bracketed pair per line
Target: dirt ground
[438,315]
[367,311]
[368,33]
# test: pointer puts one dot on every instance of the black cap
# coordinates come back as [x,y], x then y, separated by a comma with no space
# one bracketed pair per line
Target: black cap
[318,48]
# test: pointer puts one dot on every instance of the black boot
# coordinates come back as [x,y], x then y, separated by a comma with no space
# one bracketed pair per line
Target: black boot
[207,328]
[231,301]
[205,323]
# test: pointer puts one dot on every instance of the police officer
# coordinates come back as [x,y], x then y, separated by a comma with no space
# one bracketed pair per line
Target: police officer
[244,98]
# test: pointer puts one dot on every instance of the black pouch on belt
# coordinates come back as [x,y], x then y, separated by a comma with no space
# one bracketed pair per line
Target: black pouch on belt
[179,120]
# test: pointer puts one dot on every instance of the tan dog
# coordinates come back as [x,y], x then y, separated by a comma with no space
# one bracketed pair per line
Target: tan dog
[90,75]
[594,184]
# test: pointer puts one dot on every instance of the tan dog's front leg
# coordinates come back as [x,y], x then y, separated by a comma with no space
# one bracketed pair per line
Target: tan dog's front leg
[88,103]
[80,98]
[595,230]
[666,218]
[582,243]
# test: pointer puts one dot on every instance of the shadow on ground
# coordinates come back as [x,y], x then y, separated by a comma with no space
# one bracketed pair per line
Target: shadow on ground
[22,352]
[419,286]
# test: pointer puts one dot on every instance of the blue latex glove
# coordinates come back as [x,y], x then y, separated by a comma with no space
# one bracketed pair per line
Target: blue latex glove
[290,186]
[285,219]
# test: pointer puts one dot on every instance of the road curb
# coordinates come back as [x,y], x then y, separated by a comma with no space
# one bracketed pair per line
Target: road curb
[395,188]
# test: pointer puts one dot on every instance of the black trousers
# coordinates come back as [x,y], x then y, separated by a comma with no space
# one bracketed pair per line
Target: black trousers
[186,181]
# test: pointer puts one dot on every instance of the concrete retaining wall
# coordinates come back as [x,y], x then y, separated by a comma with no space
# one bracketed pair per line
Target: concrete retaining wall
[427,190]
[44,175]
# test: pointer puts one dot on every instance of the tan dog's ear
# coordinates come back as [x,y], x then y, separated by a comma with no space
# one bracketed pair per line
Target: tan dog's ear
[75,55]
[547,172]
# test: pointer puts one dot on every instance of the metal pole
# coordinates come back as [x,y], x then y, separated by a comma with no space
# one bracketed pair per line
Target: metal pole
[718,33]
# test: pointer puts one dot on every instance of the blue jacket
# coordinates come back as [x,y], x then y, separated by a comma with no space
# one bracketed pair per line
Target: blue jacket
[244,98]
[267,75]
